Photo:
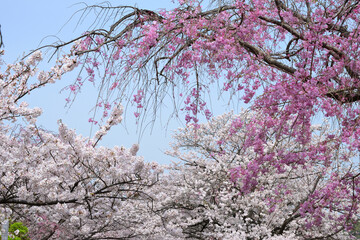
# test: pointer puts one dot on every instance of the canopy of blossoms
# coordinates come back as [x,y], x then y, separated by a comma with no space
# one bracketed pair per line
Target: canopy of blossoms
[267,173]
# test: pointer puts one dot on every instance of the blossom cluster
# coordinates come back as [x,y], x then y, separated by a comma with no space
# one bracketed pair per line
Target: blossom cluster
[266,173]
[61,185]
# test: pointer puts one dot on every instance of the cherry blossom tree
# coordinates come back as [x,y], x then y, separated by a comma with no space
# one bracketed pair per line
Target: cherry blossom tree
[293,62]
[61,185]
[267,174]
[245,46]
[202,199]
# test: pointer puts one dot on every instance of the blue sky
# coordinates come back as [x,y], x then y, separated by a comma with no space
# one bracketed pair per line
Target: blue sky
[28,24]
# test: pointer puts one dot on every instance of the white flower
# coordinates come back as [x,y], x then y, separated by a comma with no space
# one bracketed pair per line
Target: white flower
[134,149]
[85,229]
[34,58]
[43,76]
[74,220]
[69,64]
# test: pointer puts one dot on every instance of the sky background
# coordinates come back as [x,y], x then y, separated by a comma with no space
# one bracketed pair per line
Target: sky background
[27,25]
